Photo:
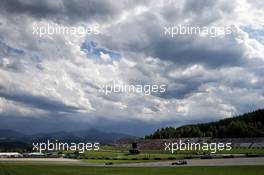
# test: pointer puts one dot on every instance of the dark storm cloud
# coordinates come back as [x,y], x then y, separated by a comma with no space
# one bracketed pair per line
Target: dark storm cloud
[39,102]
[181,92]
[200,51]
[63,11]
[55,123]
[39,9]
[188,52]
[206,11]
[38,123]
[182,50]
[147,36]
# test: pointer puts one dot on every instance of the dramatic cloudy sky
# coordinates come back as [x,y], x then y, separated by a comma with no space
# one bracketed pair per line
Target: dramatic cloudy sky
[51,83]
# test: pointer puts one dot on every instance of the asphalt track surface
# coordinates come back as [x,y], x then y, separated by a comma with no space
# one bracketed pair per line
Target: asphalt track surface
[204,162]
[191,162]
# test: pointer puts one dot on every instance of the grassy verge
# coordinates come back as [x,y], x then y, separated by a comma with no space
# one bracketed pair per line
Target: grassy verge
[13,169]
[116,161]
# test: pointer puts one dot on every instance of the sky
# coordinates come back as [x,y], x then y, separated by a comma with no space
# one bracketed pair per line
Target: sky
[52,82]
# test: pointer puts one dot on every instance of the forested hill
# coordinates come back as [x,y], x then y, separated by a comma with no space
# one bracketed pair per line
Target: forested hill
[246,125]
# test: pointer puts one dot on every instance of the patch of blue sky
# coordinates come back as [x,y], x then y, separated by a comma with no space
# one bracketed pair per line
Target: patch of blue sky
[98,54]
[14,51]
[11,51]
[255,33]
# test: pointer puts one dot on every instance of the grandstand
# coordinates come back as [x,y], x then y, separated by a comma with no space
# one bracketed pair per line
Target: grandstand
[159,143]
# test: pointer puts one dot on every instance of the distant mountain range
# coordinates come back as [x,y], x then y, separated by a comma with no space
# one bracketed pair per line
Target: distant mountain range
[13,139]
[6,133]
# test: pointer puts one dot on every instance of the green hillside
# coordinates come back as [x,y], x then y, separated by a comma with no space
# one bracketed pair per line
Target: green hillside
[246,125]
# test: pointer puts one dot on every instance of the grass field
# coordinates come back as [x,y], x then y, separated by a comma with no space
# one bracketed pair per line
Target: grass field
[116,161]
[21,169]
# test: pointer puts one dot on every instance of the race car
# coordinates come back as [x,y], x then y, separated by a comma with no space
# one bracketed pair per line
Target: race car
[180,162]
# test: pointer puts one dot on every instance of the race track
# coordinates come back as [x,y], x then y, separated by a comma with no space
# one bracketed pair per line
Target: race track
[191,162]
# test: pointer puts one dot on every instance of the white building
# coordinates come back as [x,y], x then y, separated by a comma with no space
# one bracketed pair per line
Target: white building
[10,154]
[34,154]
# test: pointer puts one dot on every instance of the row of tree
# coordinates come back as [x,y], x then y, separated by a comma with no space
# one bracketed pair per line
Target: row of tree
[246,125]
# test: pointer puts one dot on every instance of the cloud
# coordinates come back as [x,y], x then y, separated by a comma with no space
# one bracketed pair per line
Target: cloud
[207,78]
[63,11]
[39,102]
